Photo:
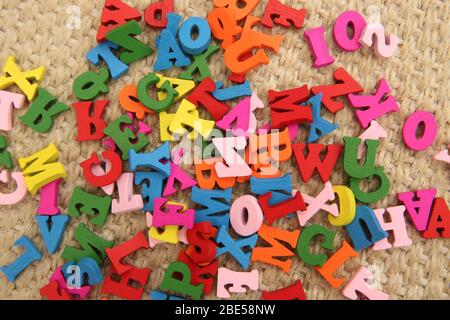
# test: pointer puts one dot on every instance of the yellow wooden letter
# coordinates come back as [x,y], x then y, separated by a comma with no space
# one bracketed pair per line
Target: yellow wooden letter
[165,119]
[183,87]
[41,168]
[21,79]
[170,233]
[347,207]
[187,116]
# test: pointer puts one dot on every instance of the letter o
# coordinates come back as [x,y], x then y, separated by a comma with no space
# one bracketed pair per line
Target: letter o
[251,225]
[429,132]
[358,24]
[201,43]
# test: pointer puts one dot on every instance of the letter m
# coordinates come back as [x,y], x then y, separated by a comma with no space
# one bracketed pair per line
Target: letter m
[272,255]
[216,205]
[41,168]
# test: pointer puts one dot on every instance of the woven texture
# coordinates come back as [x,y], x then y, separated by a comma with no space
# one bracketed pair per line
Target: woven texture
[36,33]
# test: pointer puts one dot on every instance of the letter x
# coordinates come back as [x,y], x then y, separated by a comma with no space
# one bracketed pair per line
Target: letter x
[22,79]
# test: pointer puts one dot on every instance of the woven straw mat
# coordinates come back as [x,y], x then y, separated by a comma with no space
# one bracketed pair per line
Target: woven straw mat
[37,34]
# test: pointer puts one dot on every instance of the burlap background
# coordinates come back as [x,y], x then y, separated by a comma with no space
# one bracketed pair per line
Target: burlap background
[36,33]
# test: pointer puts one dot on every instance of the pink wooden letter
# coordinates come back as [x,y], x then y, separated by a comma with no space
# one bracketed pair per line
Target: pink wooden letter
[82,292]
[182,235]
[318,203]
[374,106]
[443,156]
[373,132]
[238,281]
[127,202]
[240,115]
[236,166]
[319,50]
[172,216]
[48,199]
[8,100]
[358,284]
[20,192]
[358,24]
[255,103]
[424,202]
[255,215]
[410,128]
[385,46]
[177,174]
[99,171]
[397,226]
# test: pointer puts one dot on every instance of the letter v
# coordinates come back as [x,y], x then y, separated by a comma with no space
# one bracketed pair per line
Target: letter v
[52,230]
